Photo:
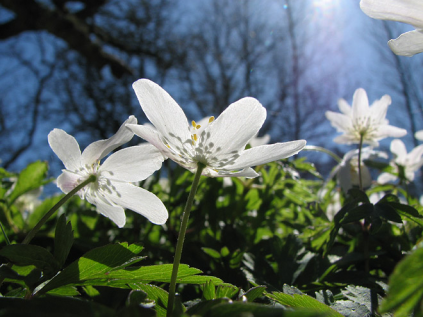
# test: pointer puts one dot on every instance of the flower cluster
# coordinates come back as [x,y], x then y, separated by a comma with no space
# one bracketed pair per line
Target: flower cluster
[217,144]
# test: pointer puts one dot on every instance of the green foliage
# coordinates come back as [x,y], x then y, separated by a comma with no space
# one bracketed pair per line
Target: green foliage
[252,238]
[405,294]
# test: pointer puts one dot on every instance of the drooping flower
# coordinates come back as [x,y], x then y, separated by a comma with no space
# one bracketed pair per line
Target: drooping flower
[362,121]
[113,189]
[404,165]
[347,170]
[406,11]
[219,144]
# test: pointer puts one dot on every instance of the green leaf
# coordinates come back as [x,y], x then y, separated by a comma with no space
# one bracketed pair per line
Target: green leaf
[254,293]
[226,290]
[155,293]
[23,255]
[63,240]
[64,291]
[30,178]
[302,301]
[97,262]
[209,291]
[358,213]
[213,253]
[386,211]
[157,273]
[405,286]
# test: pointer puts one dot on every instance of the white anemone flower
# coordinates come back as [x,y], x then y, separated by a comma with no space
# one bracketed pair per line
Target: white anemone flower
[408,162]
[405,11]
[219,144]
[112,191]
[363,121]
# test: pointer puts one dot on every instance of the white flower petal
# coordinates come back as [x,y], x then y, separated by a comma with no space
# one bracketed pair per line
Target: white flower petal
[66,148]
[339,121]
[407,44]
[360,104]
[379,108]
[385,131]
[386,178]
[236,125]
[416,155]
[162,111]
[267,153]
[398,149]
[99,149]
[406,11]
[139,200]
[67,181]
[133,164]
[247,172]
[344,107]
[113,212]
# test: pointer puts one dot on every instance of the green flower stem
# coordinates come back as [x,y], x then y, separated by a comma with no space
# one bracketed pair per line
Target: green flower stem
[43,220]
[360,146]
[181,238]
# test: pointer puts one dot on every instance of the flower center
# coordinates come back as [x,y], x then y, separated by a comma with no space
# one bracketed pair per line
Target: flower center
[365,127]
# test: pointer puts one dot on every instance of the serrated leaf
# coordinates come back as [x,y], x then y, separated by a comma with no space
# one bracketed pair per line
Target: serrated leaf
[387,212]
[226,290]
[94,263]
[30,178]
[157,273]
[63,240]
[405,286]
[363,296]
[302,301]
[23,255]
[349,308]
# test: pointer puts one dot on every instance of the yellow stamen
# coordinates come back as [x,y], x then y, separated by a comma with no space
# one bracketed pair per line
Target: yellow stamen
[198,126]
[195,137]
[211,119]
[194,124]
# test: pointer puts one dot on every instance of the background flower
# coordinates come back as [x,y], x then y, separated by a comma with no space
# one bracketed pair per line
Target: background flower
[113,189]
[403,162]
[362,121]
